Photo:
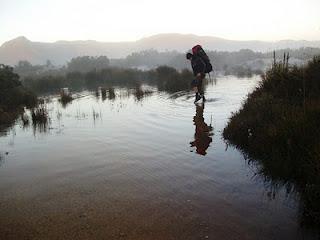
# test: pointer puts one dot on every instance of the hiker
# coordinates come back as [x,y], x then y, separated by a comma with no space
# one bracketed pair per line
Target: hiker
[201,65]
[198,67]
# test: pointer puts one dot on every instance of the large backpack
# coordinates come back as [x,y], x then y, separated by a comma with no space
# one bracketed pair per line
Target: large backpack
[198,51]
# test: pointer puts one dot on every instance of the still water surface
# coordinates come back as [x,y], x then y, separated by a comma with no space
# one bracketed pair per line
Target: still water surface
[150,168]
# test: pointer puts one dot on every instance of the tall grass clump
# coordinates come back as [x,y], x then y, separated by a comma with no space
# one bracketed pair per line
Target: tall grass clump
[170,80]
[278,126]
[40,118]
[65,97]
[40,114]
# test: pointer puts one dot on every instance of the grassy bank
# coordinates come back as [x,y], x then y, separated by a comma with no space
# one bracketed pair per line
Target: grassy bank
[278,126]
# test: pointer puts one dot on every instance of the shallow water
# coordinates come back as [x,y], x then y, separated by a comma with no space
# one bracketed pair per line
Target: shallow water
[154,168]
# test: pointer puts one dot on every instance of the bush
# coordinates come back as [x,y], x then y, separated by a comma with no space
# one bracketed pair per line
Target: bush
[13,96]
[169,79]
[278,126]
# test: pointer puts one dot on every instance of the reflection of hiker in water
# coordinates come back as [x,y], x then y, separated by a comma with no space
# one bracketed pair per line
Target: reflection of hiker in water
[203,132]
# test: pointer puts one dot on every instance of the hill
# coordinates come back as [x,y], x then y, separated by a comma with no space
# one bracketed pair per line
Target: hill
[60,52]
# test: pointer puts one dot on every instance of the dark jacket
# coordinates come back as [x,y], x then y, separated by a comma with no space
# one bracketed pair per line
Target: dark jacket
[198,65]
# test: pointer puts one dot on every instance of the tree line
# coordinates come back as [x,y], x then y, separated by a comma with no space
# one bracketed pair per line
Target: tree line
[242,63]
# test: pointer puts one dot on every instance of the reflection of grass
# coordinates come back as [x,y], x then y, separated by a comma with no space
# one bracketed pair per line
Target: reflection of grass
[95,114]
[279,125]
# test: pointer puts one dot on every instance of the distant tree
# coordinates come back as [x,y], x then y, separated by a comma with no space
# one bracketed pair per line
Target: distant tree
[150,58]
[87,64]
[25,68]
[24,64]
[49,63]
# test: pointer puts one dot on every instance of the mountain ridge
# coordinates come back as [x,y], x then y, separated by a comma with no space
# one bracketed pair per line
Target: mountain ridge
[59,52]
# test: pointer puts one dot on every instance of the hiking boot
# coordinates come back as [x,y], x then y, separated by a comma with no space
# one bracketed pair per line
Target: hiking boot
[198,97]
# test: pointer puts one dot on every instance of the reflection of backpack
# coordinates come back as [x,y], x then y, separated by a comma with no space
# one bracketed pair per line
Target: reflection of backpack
[198,51]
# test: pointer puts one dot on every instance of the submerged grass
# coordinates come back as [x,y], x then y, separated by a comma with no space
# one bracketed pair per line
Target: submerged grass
[278,125]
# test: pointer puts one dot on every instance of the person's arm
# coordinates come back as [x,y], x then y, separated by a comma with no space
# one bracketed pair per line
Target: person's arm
[194,69]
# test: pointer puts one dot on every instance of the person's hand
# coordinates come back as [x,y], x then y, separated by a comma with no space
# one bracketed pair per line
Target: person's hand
[199,76]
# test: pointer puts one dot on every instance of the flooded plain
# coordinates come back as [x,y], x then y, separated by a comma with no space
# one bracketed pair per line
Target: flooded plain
[140,167]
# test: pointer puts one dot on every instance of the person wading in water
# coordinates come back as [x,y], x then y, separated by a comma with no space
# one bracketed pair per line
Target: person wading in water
[201,65]
[198,67]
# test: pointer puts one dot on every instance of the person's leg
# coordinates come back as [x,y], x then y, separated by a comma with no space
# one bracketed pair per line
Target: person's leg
[202,92]
[201,88]
[195,84]
[197,97]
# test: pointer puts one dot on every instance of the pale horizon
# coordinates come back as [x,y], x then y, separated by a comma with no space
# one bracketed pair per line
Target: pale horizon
[124,20]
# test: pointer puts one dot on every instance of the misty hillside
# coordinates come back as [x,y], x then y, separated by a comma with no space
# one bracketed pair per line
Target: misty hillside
[62,51]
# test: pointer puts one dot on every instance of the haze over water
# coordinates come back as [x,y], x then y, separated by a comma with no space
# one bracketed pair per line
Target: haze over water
[149,168]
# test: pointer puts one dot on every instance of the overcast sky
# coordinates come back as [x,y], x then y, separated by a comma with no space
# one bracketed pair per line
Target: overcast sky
[126,20]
